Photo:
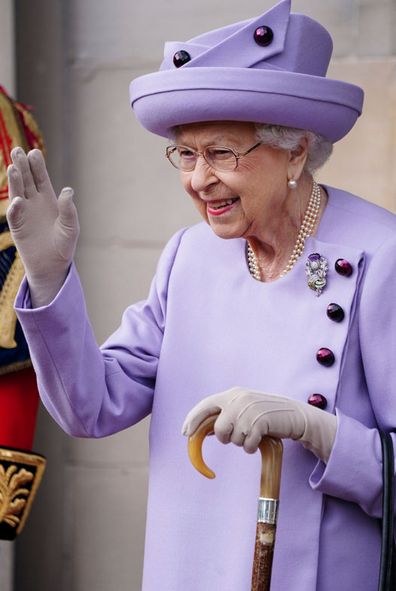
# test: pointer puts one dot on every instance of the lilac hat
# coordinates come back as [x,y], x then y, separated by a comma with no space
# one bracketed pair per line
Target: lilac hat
[271,69]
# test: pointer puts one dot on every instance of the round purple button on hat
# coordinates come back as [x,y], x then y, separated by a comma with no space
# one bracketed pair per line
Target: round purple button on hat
[318,400]
[325,357]
[343,267]
[335,312]
[263,36]
[181,57]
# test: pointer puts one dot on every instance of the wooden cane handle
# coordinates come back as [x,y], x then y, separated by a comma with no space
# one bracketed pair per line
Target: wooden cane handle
[271,456]
[271,449]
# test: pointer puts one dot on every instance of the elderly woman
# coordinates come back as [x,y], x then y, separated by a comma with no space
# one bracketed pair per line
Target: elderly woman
[277,310]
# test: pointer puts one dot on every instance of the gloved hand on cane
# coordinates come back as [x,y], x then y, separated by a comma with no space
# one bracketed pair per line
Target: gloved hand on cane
[246,416]
[44,228]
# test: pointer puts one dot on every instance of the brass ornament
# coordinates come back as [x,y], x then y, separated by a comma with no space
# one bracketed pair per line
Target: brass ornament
[20,476]
[12,481]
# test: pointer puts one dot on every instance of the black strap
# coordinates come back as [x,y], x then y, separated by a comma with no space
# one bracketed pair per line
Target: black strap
[387,576]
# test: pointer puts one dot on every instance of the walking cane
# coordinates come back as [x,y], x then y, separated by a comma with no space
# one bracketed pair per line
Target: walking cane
[271,456]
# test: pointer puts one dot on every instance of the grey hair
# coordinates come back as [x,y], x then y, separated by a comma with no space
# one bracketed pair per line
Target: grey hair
[289,138]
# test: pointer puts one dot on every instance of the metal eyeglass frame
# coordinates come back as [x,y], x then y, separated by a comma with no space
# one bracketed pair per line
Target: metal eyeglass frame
[171,149]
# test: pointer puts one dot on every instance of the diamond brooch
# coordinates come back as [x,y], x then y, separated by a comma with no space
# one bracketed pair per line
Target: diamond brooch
[316,269]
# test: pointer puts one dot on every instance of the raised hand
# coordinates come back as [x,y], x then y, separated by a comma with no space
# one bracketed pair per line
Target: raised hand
[44,228]
[246,416]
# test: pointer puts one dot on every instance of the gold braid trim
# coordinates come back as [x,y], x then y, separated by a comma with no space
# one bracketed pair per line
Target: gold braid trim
[8,293]
[5,240]
[3,208]
[18,365]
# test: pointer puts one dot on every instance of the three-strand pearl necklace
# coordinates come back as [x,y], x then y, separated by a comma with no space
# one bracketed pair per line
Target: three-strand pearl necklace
[306,228]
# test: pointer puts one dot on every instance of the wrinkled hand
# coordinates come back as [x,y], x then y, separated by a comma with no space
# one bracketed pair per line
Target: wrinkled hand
[246,416]
[44,228]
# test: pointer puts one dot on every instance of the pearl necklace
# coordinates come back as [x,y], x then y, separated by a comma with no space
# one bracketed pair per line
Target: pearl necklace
[308,224]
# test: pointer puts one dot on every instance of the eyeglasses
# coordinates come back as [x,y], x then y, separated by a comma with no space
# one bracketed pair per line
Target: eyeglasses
[219,158]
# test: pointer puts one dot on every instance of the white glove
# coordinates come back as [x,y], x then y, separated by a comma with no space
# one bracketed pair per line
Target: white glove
[45,229]
[246,416]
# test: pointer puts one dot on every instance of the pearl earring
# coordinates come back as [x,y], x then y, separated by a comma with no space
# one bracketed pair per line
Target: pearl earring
[292,184]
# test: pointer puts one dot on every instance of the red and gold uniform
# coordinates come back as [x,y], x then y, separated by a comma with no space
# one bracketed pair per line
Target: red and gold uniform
[20,470]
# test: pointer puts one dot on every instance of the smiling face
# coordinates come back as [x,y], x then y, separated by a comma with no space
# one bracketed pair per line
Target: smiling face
[247,201]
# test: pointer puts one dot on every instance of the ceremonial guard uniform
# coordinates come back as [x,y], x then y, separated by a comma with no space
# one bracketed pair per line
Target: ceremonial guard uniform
[20,470]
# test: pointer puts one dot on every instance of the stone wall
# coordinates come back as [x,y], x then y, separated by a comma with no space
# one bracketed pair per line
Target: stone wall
[75,61]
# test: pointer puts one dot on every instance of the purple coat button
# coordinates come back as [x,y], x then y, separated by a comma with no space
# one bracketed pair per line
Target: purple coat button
[325,357]
[343,267]
[263,36]
[335,312]
[318,400]
[181,57]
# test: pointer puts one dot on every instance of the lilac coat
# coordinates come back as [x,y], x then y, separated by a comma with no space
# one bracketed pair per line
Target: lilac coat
[206,326]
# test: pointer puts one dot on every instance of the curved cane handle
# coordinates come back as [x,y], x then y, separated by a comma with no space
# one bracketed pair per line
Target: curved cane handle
[195,442]
[271,455]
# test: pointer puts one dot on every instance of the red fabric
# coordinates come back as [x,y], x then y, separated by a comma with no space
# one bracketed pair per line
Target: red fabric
[18,409]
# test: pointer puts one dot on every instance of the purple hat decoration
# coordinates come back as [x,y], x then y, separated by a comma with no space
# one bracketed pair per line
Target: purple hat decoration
[271,69]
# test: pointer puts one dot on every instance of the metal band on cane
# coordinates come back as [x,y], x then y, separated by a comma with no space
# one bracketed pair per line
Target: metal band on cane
[267,510]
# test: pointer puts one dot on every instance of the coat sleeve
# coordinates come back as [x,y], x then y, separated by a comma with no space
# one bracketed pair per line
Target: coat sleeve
[92,391]
[354,469]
